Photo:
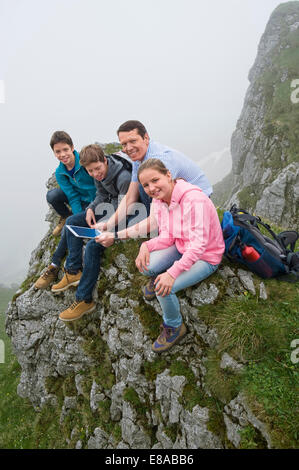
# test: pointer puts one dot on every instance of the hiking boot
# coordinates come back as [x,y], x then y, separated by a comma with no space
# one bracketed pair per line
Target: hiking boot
[168,337]
[47,277]
[149,289]
[57,230]
[77,310]
[67,281]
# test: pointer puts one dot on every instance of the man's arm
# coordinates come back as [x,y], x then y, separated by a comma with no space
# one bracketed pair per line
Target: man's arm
[122,210]
[138,230]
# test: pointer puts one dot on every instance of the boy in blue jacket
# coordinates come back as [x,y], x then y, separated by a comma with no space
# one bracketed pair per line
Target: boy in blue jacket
[76,189]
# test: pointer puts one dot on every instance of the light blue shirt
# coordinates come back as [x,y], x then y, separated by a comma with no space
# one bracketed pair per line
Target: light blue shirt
[177,163]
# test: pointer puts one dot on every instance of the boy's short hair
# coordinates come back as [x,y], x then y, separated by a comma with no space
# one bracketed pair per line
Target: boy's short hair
[92,153]
[131,125]
[61,136]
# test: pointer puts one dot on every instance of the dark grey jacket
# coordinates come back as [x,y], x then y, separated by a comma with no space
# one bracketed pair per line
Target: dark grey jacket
[113,187]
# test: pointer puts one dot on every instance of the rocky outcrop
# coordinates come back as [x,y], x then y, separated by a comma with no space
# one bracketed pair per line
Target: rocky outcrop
[101,369]
[264,146]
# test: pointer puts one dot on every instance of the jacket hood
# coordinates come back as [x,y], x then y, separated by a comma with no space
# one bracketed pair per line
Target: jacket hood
[180,189]
[114,167]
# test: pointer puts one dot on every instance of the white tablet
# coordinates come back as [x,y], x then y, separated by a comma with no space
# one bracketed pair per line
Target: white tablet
[84,232]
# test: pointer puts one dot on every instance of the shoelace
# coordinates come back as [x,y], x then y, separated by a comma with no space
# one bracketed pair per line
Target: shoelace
[47,273]
[165,332]
[74,305]
[151,285]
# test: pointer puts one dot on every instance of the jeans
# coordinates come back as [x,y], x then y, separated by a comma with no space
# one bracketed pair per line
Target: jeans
[58,200]
[61,250]
[92,264]
[160,261]
[92,257]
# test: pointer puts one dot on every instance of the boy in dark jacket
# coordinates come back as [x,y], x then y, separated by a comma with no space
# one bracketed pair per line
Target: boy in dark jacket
[112,178]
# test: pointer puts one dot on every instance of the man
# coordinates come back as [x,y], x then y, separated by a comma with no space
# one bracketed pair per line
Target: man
[137,144]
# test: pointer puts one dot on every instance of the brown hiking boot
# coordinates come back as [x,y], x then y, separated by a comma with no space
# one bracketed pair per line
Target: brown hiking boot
[149,290]
[57,230]
[168,337]
[47,277]
[67,281]
[77,310]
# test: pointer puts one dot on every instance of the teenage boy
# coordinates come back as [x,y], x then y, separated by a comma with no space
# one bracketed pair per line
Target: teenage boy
[76,189]
[112,178]
[137,144]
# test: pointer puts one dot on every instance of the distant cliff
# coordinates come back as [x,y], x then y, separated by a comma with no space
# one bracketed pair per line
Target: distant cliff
[265,144]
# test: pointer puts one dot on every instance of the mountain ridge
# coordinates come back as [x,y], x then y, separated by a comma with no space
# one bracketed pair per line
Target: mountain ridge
[264,146]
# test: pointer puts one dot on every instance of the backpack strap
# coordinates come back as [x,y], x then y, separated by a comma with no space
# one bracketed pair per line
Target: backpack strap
[289,238]
[242,217]
[126,165]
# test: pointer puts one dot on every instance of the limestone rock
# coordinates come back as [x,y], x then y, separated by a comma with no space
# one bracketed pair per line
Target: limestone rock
[265,168]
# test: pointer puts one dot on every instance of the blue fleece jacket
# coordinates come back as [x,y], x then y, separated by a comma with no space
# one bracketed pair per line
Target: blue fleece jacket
[80,188]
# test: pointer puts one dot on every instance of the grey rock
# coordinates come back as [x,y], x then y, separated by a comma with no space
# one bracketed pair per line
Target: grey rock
[227,362]
[168,391]
[263,292]
[133,434]
[96,396]
[203,294]
[99,440]
[232,431]
[195,432]
[164,442]
[261,169]
[70,403]
[240,410]
[117,401]
[247,281]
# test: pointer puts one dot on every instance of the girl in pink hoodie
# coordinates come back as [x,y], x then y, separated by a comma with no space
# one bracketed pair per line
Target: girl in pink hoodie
[187,250]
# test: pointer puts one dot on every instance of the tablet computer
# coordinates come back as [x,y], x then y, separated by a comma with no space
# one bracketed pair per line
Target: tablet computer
[84,232]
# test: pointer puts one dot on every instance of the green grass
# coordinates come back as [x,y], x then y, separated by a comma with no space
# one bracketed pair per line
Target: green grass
[259,333]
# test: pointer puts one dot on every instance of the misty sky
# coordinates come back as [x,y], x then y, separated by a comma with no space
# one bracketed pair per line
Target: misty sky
[86,66]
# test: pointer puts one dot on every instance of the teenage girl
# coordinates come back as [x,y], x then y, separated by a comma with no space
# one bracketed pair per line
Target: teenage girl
[187,250]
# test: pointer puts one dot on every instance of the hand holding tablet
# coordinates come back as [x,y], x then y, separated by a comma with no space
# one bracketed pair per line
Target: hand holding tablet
[84,232]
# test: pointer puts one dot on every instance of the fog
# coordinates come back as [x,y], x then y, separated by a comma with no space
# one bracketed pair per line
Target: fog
[180,67]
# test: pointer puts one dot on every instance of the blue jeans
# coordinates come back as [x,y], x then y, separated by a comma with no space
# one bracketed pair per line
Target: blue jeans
[58,200]
[61,250]
[92,258]
[160,261]
[92,264]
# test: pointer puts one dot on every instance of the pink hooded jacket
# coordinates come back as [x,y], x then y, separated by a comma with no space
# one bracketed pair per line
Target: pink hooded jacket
[192,224]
